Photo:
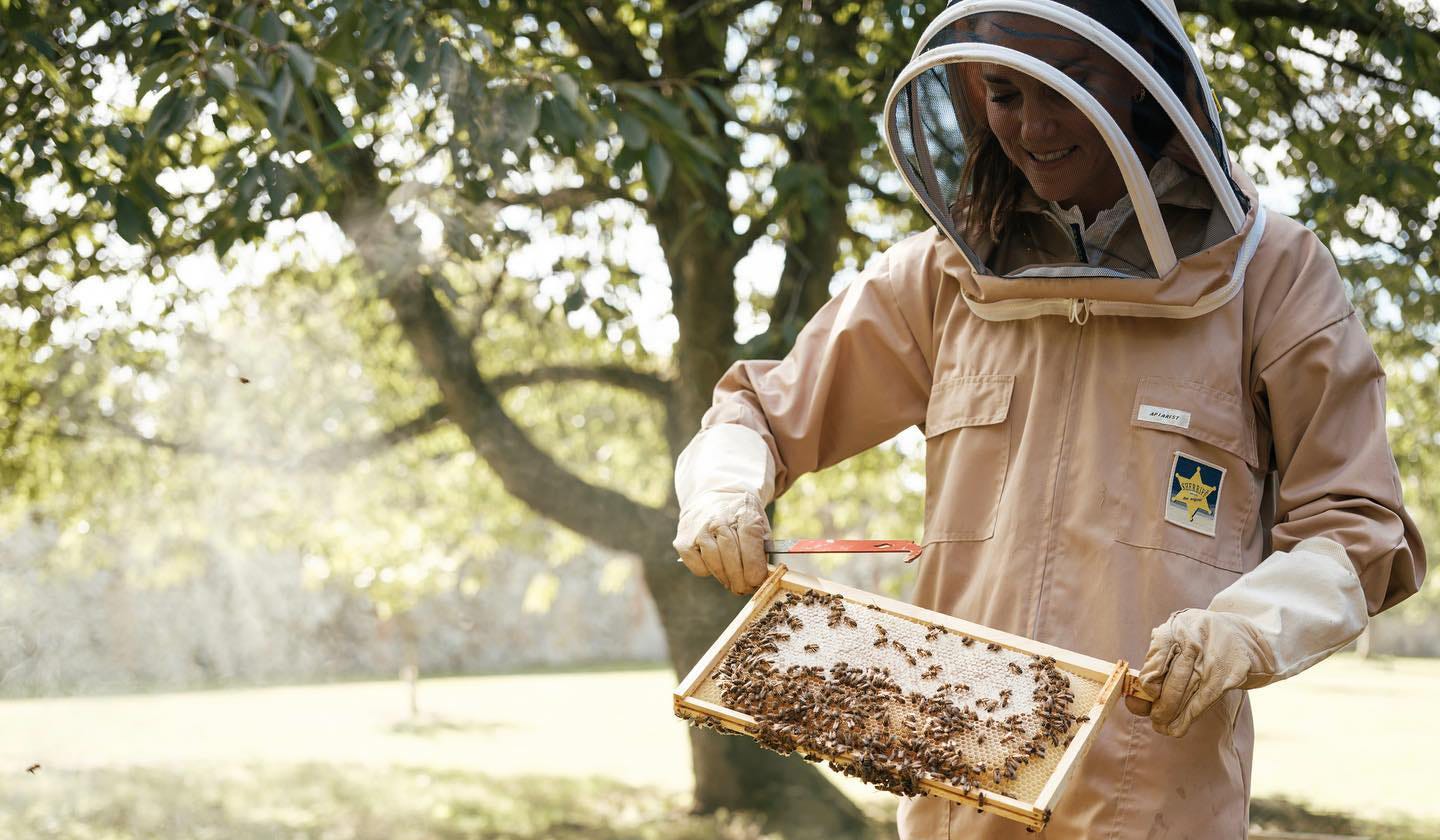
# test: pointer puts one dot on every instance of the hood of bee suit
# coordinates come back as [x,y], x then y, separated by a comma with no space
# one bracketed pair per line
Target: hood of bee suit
[1072,152]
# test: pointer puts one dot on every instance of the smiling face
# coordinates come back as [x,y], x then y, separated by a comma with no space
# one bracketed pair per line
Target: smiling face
[1058,148]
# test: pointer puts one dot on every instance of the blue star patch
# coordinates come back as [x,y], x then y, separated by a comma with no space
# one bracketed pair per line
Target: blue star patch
[1193,500]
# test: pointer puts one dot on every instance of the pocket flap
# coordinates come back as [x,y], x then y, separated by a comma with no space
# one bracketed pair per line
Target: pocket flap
[1196,411]
[960,401]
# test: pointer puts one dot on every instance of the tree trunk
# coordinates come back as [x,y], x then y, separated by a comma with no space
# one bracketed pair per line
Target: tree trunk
[791,796]
[732,772]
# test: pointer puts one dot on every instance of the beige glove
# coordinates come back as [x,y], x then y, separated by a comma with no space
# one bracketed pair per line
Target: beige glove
[723,480]
[1291,611]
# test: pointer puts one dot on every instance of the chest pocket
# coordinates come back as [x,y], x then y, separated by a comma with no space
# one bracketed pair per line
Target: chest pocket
[1189,485]
[967,452]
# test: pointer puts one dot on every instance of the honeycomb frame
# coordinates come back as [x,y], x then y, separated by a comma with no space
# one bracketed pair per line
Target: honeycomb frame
[1100,684]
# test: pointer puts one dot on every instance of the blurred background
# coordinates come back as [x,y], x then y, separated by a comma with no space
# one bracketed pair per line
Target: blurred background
[346,347]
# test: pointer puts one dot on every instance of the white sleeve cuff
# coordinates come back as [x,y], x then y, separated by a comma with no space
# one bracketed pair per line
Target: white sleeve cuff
[1304,604]
[725,457]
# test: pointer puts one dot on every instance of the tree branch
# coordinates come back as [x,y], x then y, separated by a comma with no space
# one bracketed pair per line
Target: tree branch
[1302,14]
[66,227]
[1396,85]
[619,376]
[617,56]
[342,454]
[527,472]
[568,197]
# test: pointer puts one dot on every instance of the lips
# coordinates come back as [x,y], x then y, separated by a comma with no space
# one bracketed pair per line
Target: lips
[1051,157]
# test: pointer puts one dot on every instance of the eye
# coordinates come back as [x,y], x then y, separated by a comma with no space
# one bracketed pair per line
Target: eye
[1003,98]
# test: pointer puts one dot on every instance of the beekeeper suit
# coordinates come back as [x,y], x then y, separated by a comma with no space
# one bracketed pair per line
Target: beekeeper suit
[1155,428]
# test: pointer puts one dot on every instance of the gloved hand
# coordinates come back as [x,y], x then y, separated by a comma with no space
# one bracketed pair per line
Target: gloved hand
[723,480]
[1294,609]
[722,534]
[1194,657]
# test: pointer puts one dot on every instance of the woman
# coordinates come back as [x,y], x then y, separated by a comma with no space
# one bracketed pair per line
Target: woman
[1155,426]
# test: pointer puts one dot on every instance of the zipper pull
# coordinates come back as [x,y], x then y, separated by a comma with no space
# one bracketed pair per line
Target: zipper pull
[1079,311]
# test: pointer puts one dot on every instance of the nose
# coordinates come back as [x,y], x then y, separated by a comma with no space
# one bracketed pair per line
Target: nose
[1039,119]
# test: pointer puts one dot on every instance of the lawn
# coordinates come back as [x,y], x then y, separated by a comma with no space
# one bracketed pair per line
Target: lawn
[508,756]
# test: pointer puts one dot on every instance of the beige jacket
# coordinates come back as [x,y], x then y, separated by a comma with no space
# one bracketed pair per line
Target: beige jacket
[1052,442]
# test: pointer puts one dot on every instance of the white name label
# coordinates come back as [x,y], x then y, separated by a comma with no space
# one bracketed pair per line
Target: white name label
[1167,416]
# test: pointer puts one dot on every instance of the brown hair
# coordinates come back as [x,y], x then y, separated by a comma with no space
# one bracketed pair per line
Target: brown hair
[990,185]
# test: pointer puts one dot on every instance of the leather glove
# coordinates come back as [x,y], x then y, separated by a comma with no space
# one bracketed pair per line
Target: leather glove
[1194,657]
[723,480]
[722,534]
[1294,609]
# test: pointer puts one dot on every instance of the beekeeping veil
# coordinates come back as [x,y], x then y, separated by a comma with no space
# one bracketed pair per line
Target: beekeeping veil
[1073,151]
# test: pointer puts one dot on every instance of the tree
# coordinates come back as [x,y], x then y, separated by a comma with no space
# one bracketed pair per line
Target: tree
[716,124]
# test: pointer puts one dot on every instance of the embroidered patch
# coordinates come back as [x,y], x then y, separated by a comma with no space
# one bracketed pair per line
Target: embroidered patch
[1166,416]
[1194,498]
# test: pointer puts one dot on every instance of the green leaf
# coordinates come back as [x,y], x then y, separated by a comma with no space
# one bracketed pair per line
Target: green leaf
[281,92]
[166,116]
[418,71]
[117,140]
[272,29]
[301,62]
[569,90]
[245,18]
[522,119]
[717,96]
[225,74]
[150,78]
[702,111]
[451,70]
[632,131]
[563,125]
[278,185]
[41,44]
[668,112]
[248,186]
[129,220]
[159,23]
[657,169]
[260,94]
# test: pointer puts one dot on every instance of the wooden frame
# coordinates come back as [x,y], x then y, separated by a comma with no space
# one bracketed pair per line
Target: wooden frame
[1116,680]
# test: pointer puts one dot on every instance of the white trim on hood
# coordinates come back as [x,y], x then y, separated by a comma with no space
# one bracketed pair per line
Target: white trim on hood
[1137,181]
[1169,17]
[1088,28]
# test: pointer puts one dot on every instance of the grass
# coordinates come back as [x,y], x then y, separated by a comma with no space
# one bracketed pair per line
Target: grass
[324,802]
[515,757]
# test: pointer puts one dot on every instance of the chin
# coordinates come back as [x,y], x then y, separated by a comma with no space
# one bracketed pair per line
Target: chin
[1062,195]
